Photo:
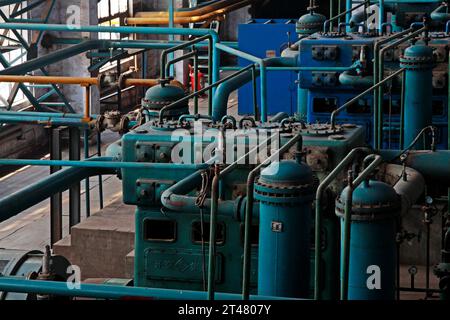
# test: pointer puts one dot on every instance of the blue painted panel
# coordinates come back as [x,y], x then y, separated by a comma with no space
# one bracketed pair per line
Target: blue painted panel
[263,39]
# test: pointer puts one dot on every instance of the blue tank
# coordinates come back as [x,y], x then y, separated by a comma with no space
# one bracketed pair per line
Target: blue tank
[418,61]
[285,191]
[373,250]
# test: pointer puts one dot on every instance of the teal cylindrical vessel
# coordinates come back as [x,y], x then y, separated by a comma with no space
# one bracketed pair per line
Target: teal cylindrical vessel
[162,95]
[418,61]
[310,23]
[373,250]
[285,191]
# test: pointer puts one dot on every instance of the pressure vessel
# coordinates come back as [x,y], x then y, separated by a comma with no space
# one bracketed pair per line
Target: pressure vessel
[285,191]
[418,61]
[373,250]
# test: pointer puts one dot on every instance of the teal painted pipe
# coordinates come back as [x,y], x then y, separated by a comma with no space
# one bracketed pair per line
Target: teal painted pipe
[418,62]
[101,163]
[176,198]
[223,92]
[46,120]
[349,78]
[45,188]
[125,30]
[440,14]
[56,56]
[318,295]
[96,291]
[45,114]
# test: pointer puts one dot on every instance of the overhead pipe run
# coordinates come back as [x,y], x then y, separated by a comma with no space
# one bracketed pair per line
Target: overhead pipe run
[177,19]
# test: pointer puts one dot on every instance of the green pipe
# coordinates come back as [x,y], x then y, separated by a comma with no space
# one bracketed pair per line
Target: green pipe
[45,114]
[380,76]
[176,199]
[353,184]
[376,78]
[87,186]
[359,96]
[348,78]
[59,182]
[179,47]
[318,218]
[125,30]
[96,291]
[165,69]
[188,97]
[102,163]
[297,139]
[345,13]
[402,111]
[212,233]
[125,43]
[262,75]
[324,69]
[45,120]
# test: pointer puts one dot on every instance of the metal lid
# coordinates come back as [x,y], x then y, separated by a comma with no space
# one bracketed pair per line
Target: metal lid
[310,23]
[286,182]
[417,57]
[371,200]
[162,95]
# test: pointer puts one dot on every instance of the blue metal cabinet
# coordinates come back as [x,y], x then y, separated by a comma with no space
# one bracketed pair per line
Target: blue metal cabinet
[266,39]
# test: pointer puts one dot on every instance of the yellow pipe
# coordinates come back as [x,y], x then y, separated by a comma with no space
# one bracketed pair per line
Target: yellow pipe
[193,13]
[49,80]
[141,82]
[87,104]
[75,80]
[187,20]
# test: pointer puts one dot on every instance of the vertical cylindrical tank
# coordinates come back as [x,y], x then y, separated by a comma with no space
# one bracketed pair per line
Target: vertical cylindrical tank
[418,62]
[285,191]
[372,264]
[308,24]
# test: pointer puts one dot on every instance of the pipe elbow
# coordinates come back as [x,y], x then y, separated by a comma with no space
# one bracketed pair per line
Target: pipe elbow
[351,79]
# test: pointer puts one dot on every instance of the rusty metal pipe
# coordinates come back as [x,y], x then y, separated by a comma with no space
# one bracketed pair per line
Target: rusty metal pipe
[49,80]
[75,80]
[187,20]
[190,13]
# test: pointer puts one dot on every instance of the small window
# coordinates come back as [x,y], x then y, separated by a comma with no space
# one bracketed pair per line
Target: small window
[197,233]
[254,235]
[160,230]
[324,105]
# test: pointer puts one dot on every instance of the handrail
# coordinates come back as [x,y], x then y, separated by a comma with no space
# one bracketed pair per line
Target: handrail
[359,96]
[318,215]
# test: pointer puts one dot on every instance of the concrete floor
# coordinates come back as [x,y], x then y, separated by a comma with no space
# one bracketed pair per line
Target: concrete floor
[30,230]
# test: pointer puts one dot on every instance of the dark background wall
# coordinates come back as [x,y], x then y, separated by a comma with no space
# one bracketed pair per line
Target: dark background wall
[285,9]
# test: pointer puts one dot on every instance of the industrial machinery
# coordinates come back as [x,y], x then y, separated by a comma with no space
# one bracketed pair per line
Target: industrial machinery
[301,198]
